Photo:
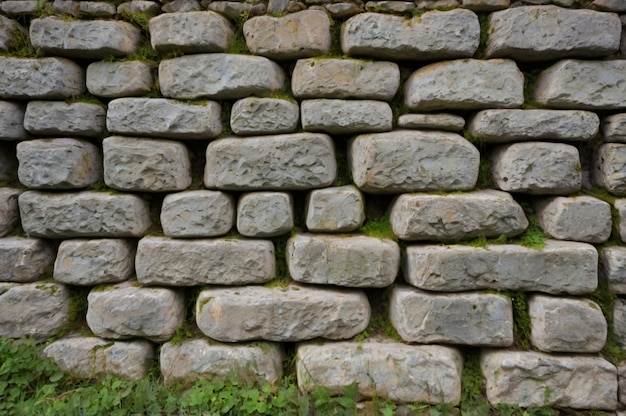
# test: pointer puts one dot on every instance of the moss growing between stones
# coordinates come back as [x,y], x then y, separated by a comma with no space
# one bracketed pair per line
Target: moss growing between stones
[534,236]
[379,228]
[20,47]
[483,20]
[473,401]
[238,44]
[76,323]
[521,319]
[604,297]
[282,279]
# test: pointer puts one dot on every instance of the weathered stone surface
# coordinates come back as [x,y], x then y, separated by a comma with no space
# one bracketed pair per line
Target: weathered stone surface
[345,78]
[95,358]
[94,262]
[609,167]
[586,85]
[256,116]
[579,218]
[343,10]
[390,6]
[477,319]
[149,165]
[219,76]
[614,128]
[160,117]
[93,39]
[294,313]
[500,126]
[433,35]
[620,206]
[537,168]
[409,161]
[83,214]
[337,209]
[49,118]
[486,5]
[98,9]
[198,213]
[619,321]
[610,5]
[151,8]
[356,261]
[277,6]
[24,260]
[283,162]
[528,378]
[440,121]
[559,267]
[346,116]
[467,84]
[40,78]
[394,371]
[566,325]
[456,217]
[234,9]
[198,358]
[12,121]
[613,268]
[265,214]
[181,6]
[437,4]
[8,30]
[191,32]
[544,33]
[170,262]
[297,35]
[621,375]
[119,79]
[127,311]
[19,6]
[35,310]
[9,212]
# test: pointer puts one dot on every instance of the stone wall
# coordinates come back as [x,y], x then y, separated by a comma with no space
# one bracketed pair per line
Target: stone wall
[382,190]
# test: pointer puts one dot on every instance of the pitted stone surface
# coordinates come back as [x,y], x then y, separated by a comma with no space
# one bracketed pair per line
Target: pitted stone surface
[609,167]
[390,6]
[284,162]
[256,116]
[409,161]
[160,117]
[614,128]
[198,213]
[49,118]
[544,33]
[467,84]
[234,9]
[18,7]
[613,268]
[218,76]
[191,32]
[477,319]
[150,8]
[487,213]
[170,262]
[98,9]
[580,218]
[355,261]
[433,35]
[293,313]
[620,206]
[83,214]
[40,78]
[394,371]
[528,378]
[337,209]
[265,214]
[440,121]
[119,79]
[346,116]
[12,121]
[24,260]
[94,262]
[9,212]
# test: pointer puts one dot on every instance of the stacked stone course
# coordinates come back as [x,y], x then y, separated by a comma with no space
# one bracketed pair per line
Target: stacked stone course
[352,164]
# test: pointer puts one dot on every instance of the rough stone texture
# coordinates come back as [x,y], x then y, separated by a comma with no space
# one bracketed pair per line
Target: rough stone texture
[343,10]
[355,261]
[486,5]
[234,9]
[12,121]
[8,29]
[194,359]
[580,218]
[218,76]
[181,6]
[394,371]
[610,5]
[619,321]
[390,6]
[614,128]
[297,35]
[283,162]
[609,167]
[486,213]
[40,78]
[94,262]
[160,117]
[95,358]
[621,373]
[476,319]
[440,121]
[150,8]
[198,213]
[500,126]
[544,33]
[559,267]
[24,260]
[49,118]
[566,325]
[170,262]
[265,214]
[9,212]
[257,116]
[98,9]
[346,116]
[433,35]
[613,268]
[467,84]
[119,79]
[94,39]
[150,165]
[191,32]
[620,206]
[293,313]
[127,311]
[337,209]
[409,161]
[345,78]
[277,6]
[587,85]
[83,214]
[537,168]
[528,378]
[58,163]
[35,310]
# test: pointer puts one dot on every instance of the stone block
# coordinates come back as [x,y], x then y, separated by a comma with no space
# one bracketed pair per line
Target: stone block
[170,262]
[613,268]
[24,260]
[346,116]
[181,6]
[9,212]
[198,213]
[257,116]
[160,117]
[18,7]
[191,32]
[49,118]
[97,9]
[620,206]
[83,214]
[428,121]
[431,36]
[393,371]
[265,214]
[619,321]
[292,313]
[283,162]
[9,29]
[58,163]
[119,79]
[610,5]
[579,218]
[234,9]
[151,8]
[390,6]
[614,128]
[336,209]
[342,10]
[12,121]
[609,167]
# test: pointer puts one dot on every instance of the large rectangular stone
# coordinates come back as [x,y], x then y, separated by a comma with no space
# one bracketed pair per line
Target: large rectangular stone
[197,214]
[119,79]
[40,78]
[346,116]
[49,118]
[24,260]
[609,167]
[12,121]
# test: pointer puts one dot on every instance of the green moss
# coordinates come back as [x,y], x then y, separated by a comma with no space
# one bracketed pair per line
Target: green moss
[483,20]
[473,401]
[20,46]
[484,242]
[85,98]
[76,323]
[238,43]
[521,319]
[379,228]
[534,236]
[606,298]
[283,278]
[142,20]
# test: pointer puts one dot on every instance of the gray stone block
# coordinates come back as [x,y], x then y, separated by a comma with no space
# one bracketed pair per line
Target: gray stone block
[151,8]
[9,212]
[119,79]
[49,118]
[234,9]
[265,214]
[614,128]
[579,218]
[613,268]
[610,5]
[256,116]
[9,29]
[337,209]
[346,116]
[441,121]
[198,213]
[24,260]
[12,121]
[181,6]
[609,167]
[390,6]
[18,7]
[342,10]
[620,206]
[97,8]
[40,78]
